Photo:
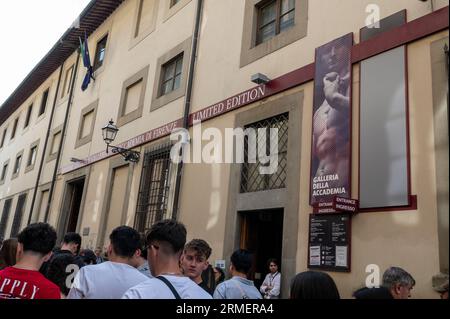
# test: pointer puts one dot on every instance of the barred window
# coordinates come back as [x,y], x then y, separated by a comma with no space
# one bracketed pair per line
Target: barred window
[154,189]
[251,178]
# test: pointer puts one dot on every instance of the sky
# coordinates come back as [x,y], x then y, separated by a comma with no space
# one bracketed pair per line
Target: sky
[28,30]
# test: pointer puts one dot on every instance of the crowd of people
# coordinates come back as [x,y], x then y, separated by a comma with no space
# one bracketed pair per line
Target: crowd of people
[160,265]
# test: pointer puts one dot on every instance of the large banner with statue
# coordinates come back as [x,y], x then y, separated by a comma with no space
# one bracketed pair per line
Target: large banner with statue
[331,129]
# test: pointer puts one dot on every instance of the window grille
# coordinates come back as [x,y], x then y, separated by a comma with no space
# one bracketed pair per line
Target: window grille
[251,178]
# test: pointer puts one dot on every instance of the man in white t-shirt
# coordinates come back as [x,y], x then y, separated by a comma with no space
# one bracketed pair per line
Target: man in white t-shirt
[165,243]
[110,280]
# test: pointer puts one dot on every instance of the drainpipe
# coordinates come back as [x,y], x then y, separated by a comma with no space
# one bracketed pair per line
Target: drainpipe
[63,134]
[187,103]
[446,52]
[45,145]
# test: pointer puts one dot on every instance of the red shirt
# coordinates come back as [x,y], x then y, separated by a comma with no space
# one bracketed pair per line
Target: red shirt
[18,283]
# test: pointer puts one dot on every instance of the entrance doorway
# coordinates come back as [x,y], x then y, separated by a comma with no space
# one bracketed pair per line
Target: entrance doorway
[72,205]
[262,234]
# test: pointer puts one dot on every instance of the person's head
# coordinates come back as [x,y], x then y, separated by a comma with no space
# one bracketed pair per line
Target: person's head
[440,285]
[195,258]
[143,247]
[125,245]
[36,240]
[98,251]
[313,285]
[272,264]
[8,253]
[372,293]
[334,57]
[219,275]
[399,282]
[141,258]
[71,242]
[165,243]
[241,262]
[58,270]
[88,257]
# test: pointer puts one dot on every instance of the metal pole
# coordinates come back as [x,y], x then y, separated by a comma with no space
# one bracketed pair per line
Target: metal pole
[187,105]
[33,201]
[63,133]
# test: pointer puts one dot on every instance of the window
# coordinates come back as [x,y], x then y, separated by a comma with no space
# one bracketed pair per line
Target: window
[171,75]
[145,20]
[270,25]
[274,17]
[5,217]
[100,52]
[132,97]
[17,221]
[43,206]
[3,137]
[172,7]
[4,172]
[13,132]
[251,178]
[87,122]
[17,165]
[54,142]
[67,81]
[132,94]
[32,156]
[28,117]
[154,189]
[43,102]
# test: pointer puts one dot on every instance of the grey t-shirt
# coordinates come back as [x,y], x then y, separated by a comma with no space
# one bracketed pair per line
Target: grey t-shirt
[156,289]
[108,280]
[237,288]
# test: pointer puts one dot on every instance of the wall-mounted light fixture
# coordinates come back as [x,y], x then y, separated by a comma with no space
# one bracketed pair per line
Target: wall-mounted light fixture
[259,78]
[77,160]
[109,133]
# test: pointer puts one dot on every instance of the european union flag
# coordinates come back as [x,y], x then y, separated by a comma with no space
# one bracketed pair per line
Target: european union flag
[87,63]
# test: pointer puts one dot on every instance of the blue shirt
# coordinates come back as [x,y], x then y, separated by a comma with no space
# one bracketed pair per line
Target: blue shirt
[237,288]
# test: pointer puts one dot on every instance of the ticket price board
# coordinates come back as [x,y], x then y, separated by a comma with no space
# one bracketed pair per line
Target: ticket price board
[329,242]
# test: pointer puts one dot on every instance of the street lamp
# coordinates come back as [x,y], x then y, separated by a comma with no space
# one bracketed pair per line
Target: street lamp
[109,133]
